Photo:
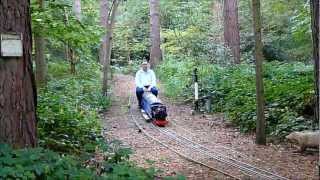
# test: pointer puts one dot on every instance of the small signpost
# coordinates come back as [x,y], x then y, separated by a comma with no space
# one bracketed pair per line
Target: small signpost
[11,45]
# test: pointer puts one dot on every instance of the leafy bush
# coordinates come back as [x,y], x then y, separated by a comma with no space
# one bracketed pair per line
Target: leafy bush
[288,92]
[39,164]
[68,110]
[176,76]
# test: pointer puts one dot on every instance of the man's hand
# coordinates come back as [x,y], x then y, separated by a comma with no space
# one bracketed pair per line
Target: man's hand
[145,89]
[149,88]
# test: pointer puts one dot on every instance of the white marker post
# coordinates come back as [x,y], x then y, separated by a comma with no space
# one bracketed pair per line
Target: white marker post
[196,90]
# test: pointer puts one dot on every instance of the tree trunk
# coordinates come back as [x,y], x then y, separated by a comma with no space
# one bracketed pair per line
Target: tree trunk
[77,9]
[69,53]
[17,84]
[72,54]
[155,52]
[217,17]
[128,49]
[231,28]
[66,50]
[72,61]
[315,36]
[41,64]
[261,124]
[104,12]
[106,64]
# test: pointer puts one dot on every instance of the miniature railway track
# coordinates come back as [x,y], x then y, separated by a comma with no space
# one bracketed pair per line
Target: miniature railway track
[198,153]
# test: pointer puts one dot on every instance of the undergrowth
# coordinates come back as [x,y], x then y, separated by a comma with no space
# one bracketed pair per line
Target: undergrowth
[288,92]
[39,163]
[68,109]
[69,133]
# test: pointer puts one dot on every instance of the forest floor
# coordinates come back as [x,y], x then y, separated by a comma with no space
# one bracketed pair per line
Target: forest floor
[208,130]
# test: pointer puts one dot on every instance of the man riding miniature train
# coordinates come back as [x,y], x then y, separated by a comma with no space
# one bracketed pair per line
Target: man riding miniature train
[145,81]
[151,107]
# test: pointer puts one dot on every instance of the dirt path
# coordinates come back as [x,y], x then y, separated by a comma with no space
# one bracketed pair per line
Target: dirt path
[208,130]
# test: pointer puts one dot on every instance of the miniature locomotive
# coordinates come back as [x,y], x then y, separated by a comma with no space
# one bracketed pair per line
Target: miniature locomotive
[154,109]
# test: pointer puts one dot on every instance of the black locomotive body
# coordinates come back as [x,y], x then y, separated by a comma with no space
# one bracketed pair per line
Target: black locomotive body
[154,108]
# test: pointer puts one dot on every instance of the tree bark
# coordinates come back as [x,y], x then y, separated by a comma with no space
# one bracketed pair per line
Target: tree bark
[155,52]
[261,124]
[104,12]
[41,64]
[66,50]
[315,36]
[72,57]
[217,17]
[69,53]
[106,64]
[77,9]
[17,84]
[231,28]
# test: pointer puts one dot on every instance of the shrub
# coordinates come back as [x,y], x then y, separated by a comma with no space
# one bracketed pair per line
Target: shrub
[288,91]
[68,110]
[39,164]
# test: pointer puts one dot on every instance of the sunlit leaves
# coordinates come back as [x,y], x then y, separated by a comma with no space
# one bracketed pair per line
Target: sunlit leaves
[57,21]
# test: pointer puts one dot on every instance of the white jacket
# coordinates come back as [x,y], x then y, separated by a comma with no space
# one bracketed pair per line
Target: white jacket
[145,78]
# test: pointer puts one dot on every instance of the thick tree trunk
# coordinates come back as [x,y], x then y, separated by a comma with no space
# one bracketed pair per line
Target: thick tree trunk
[155,52]
[315,36]
[17,85]
[106,64]
[315,22]
[231,28]
[104,13]
[261,124]
[77,9]
[41,64]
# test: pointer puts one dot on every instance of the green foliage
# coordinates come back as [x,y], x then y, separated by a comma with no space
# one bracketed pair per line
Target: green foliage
[83,36]
[286,27]
[176,76]
[131,68]
[68,107]
[288,91]
[126,170]
[195,29]
[39,164]
[131,41]
[193,42]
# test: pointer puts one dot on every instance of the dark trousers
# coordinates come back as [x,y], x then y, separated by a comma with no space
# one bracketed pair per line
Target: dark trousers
[139,93]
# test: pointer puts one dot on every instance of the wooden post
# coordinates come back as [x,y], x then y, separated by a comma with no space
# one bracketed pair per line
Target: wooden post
[261,123]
